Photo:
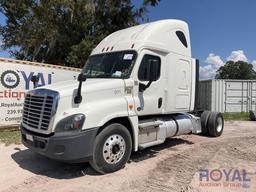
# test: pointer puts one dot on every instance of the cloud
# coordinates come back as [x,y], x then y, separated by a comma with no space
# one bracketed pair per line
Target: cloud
[237,56]
[214,63]
[207,72]
[214,60]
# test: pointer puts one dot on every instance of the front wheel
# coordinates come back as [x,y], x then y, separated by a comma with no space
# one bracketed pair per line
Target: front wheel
[112,149]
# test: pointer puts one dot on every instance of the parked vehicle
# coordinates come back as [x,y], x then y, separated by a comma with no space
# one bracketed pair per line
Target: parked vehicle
[138,87]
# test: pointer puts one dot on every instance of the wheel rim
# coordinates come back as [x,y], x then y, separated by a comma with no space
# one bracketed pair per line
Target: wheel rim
[114,149]
[219,124]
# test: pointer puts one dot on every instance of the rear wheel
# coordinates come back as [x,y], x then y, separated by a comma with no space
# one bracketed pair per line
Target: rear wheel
[204,120]
[112,149]
[252,115]
[215,124]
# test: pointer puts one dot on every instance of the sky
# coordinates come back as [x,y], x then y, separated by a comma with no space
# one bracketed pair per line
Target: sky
[220,30]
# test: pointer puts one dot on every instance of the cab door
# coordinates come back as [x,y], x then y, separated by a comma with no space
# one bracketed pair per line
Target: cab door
[149,97]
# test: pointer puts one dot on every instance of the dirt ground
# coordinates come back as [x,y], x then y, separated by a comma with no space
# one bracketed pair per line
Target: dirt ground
[177,165]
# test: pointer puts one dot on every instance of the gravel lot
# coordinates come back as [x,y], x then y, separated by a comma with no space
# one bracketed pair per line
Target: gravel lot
[172,166]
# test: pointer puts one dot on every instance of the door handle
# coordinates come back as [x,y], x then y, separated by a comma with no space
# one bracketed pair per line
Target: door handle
[160,102]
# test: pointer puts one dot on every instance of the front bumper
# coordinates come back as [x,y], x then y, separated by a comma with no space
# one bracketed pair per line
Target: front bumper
[76,147]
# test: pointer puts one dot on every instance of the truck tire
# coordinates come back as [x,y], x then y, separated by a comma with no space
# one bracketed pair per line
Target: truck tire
[112,149]
[204,120]
[252,115]
[215,124]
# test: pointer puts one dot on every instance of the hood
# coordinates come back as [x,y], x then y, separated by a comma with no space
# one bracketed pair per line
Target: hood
[67,88]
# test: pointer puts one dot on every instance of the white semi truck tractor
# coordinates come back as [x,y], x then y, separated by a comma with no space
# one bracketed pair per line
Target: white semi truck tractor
[138,87]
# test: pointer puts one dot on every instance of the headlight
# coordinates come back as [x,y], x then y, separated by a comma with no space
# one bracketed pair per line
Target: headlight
[71,123]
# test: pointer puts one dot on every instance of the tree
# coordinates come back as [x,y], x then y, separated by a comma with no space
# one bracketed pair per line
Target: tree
[236,70]
[64,31]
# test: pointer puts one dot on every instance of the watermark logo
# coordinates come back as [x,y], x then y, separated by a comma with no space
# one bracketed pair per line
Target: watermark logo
[224,178]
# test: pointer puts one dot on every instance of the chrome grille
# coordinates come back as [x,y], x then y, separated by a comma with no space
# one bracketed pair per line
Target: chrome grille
[39,107]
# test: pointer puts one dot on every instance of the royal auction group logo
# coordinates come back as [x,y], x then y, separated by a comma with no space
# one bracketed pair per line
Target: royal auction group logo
[10,79]
[224,178]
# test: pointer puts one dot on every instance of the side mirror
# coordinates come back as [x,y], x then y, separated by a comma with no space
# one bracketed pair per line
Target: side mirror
[35,80]
[153,71]
[78,98]
[81,77]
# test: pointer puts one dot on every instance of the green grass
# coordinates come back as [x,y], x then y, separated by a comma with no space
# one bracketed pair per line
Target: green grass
[10,136]
[243,116]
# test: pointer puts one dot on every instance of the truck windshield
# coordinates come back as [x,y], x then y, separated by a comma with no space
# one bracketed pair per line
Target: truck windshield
[110,65]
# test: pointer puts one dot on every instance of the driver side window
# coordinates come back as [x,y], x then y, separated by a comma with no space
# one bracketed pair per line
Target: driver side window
[144,66]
